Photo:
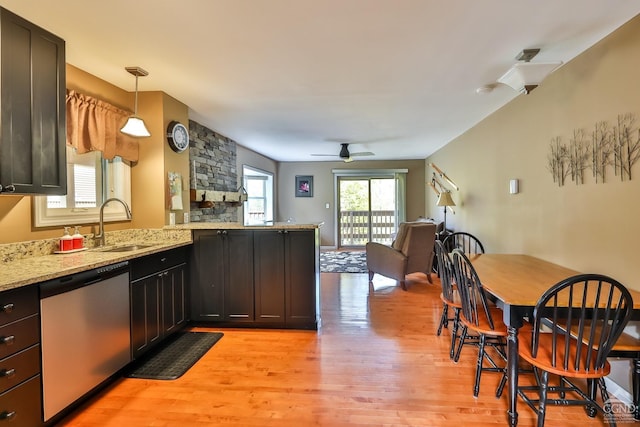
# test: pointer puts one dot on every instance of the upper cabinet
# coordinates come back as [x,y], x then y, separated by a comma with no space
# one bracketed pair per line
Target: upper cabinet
[32,108]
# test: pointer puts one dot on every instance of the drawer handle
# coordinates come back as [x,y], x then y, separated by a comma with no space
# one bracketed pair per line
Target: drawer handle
[9,340]
[8,308]
[7,373]
[7,415]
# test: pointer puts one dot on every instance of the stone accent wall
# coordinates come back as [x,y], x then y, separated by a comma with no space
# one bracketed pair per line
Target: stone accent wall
[214,156]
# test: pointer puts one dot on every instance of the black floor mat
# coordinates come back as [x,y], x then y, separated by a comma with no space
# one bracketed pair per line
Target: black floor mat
[172,359]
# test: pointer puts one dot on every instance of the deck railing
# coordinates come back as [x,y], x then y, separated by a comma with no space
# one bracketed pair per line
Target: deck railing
[354,227]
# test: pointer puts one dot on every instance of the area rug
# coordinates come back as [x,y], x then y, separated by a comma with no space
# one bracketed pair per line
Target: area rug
[172,359]
[343,262]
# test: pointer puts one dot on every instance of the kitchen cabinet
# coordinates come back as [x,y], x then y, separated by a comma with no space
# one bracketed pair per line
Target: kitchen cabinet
[265,278]
[158,298]
[32,108]
[223,265]
[20,376]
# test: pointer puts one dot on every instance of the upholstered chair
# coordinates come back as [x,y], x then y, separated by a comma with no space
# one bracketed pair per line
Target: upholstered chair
[410,252]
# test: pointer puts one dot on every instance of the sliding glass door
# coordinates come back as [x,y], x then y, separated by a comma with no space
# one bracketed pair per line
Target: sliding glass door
[367,210]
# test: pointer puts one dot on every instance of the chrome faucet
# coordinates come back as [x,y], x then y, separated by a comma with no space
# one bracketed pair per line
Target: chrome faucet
[100,235]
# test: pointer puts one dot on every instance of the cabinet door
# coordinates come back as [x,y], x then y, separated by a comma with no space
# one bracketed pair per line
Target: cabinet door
[268,246]
[32,148]
[238,275]
[173,299]
[146,328]
[207,273]
[301,278]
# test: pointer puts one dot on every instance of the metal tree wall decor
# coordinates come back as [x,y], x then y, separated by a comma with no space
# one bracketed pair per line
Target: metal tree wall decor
[617,146]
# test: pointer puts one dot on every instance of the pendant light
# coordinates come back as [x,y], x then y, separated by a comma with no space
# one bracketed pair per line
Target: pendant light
[135,126]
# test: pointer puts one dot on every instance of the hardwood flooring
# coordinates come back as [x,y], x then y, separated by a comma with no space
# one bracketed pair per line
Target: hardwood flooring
[376,361]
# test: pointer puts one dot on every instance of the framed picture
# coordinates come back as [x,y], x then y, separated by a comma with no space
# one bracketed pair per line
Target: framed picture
[304,186]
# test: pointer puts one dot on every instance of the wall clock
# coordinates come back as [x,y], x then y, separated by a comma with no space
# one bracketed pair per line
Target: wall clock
[177,136]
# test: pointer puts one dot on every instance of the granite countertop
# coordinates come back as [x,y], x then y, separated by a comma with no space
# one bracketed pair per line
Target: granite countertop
[27,263]
[238,226]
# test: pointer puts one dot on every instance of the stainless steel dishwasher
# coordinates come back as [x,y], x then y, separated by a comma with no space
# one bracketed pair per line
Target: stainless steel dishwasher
[85,333]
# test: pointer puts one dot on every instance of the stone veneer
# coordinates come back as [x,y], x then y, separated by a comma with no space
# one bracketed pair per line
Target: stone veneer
[215,165]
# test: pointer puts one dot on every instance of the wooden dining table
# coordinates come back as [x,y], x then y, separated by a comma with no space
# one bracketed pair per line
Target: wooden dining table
[516,282]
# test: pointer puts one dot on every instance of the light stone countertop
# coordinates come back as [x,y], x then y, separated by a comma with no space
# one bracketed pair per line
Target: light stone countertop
[239,226]
[26,263]
[34,262]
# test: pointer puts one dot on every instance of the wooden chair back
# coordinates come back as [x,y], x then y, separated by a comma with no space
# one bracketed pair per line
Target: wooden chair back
[585,315]
[466,242]
[475,305]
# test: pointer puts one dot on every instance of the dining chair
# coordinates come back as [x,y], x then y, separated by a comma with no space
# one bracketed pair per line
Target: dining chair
[466,242]
[572,340]
[449,296]
[480,318]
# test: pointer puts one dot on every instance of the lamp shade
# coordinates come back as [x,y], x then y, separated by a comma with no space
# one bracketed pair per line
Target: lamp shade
[526,76]
[135,127]
[445,199]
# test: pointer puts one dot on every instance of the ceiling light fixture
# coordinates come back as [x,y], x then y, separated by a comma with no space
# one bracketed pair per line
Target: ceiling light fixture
[526,76]
[135,126]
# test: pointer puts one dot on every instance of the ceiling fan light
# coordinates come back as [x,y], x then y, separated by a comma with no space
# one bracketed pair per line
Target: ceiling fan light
[344,151]
[135,127]
[525,76]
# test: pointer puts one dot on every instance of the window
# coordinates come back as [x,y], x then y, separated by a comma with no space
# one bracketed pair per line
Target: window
[259,186]
[90,180]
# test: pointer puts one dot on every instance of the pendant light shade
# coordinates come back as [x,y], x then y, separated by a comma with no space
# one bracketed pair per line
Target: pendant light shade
[135,126]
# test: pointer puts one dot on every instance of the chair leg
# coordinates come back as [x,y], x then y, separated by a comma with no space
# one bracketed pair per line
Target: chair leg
[591,391]
[444,320]
[429,278]
[403,285]
[476,386]
[463,336]
[454,332]
[371,273]
[542,404]
[636,387]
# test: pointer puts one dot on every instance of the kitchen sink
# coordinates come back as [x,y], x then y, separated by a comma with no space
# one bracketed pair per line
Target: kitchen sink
[125,248]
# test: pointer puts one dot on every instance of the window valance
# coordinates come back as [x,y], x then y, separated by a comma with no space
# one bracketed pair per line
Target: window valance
[94,125]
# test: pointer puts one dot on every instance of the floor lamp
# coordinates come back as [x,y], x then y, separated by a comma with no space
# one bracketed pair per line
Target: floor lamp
[445,200]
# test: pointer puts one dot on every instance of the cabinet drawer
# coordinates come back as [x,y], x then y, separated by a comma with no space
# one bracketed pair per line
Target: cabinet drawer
[20,406]
[18,303]
[19,335]
[19,367]
[151,264]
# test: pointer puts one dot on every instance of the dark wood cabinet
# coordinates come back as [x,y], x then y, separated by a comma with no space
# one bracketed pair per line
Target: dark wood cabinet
[302,279]
[269,275]
[158,298]
[20,377]
[265,278]
[223,265]
[32,108]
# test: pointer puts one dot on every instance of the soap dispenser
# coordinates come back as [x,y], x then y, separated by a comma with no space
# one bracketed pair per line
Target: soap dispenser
[78,239]
[66,241]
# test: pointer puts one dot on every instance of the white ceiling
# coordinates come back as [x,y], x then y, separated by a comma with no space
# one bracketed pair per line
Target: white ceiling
[288,78]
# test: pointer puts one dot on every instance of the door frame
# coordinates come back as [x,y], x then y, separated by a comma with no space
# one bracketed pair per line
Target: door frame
[368,173]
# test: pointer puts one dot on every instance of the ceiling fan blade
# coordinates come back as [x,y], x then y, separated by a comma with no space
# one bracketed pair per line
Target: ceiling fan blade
[323,155]
[362,153]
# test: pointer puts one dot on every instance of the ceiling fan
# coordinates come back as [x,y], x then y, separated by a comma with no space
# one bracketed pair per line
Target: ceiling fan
[346,155]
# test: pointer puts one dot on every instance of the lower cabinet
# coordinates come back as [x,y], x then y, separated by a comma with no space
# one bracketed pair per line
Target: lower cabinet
[20,377]
[158,298]
[265,278]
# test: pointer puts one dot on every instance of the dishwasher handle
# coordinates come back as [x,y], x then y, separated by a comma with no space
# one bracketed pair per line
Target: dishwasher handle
[79,280]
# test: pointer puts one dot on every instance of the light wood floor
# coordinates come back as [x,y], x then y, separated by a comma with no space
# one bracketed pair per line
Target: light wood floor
[376,361]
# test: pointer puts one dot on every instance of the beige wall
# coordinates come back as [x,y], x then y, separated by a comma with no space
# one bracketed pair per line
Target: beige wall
[590,227]
[246,157]
[311,210]
[149,175]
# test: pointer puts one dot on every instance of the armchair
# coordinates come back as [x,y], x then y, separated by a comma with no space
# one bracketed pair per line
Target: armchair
[411,252]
